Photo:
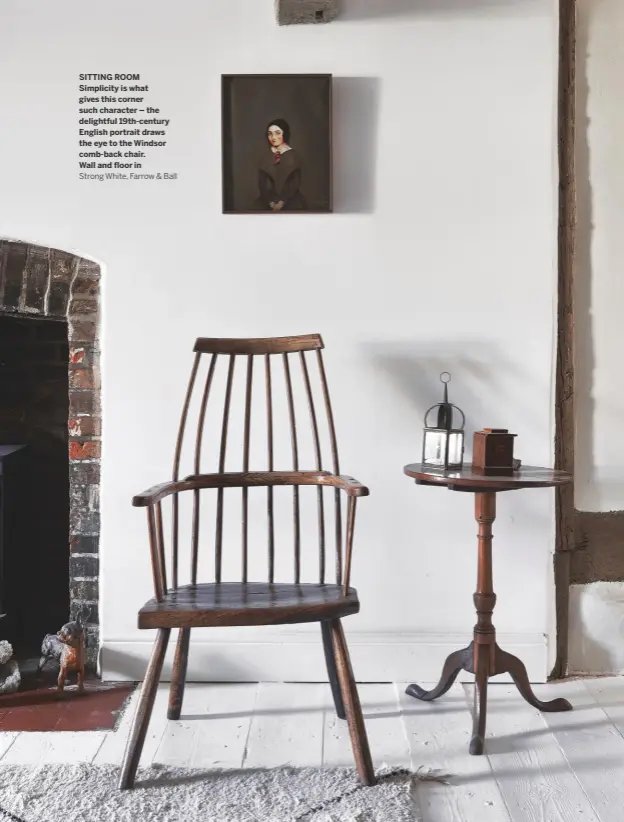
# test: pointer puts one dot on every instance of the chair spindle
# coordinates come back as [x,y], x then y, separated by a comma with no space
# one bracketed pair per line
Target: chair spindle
[202,414]
[160,535]
[349,542]
[159,588]
[295,455]
[271,523]
[336,464]
[245,490]
[197,467]
[176,470]
[319,465]
[224,435]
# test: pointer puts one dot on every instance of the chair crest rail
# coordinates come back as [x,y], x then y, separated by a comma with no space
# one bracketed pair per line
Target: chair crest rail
[258,345]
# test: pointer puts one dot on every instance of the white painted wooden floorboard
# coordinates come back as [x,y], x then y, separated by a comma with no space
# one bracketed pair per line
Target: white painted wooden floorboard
[592,745]
[532,773]
[7,738]
[438,734]
[179,739]
[47,748]
[539,768]
[337,751]
[386,734]
[384,727]
[114,745]
[287,726]
[213,729]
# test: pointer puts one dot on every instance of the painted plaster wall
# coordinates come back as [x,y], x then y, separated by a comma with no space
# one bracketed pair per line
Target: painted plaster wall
[599,298]
[597,607]
[442,246]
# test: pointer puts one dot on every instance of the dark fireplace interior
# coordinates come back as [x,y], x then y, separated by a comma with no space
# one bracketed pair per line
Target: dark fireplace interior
[34,486]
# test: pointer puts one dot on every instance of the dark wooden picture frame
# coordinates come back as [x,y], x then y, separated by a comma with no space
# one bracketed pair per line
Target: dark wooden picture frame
[263,173]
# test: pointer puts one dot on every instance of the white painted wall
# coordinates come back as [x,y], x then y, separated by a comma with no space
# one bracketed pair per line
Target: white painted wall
[600,289]
[597,610]
[441,256]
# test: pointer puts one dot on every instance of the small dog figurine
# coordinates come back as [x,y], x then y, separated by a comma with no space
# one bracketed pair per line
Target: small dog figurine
[68,648]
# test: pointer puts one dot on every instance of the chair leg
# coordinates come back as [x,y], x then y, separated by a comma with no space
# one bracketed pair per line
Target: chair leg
[136,739]
[357,729]
[178,676]
[330,661]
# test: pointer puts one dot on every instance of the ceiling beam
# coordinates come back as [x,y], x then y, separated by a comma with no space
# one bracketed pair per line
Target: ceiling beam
[305,11]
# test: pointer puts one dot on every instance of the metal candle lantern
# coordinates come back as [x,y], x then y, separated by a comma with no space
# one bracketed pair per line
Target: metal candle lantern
[443,443]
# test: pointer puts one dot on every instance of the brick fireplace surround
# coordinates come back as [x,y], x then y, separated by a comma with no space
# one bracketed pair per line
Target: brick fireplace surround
[44,282]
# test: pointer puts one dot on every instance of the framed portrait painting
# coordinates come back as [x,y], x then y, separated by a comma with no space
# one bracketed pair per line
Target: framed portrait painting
[276,143]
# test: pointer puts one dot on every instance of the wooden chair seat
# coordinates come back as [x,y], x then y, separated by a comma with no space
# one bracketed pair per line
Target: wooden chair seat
[252,603]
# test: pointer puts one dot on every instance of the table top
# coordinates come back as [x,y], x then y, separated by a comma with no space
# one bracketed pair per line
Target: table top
[467,479]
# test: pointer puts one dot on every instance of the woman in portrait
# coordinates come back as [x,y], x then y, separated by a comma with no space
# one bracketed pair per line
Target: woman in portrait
[279,172]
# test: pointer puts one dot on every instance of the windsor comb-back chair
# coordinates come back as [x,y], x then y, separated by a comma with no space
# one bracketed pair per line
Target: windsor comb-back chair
[245,601]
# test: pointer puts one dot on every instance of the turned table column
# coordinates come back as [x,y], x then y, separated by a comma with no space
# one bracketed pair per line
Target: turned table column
[484,638]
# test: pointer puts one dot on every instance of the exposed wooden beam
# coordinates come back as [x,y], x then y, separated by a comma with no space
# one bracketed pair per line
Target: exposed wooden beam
[305,11]
[564,396]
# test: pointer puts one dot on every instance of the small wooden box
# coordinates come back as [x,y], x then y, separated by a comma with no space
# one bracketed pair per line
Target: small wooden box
[492,450]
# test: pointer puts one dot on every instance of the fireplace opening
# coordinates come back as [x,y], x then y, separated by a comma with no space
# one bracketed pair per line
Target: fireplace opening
[50,447]
[34,484]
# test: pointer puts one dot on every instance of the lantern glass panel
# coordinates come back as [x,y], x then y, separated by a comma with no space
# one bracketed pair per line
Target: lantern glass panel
[434,452]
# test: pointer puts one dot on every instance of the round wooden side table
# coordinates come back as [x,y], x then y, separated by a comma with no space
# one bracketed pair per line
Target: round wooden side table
[483,657]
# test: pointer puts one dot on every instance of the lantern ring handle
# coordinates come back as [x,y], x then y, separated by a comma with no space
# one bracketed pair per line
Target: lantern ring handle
[443,375]
[451,405]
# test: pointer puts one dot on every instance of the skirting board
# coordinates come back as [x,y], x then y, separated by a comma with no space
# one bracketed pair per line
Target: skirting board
[298,656]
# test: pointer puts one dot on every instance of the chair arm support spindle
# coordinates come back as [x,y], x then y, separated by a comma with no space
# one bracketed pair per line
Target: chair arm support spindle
[160,585]
[351,507]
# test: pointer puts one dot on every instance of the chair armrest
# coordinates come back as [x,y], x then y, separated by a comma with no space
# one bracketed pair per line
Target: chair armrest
[245,480]
[351,486]
[156,493]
